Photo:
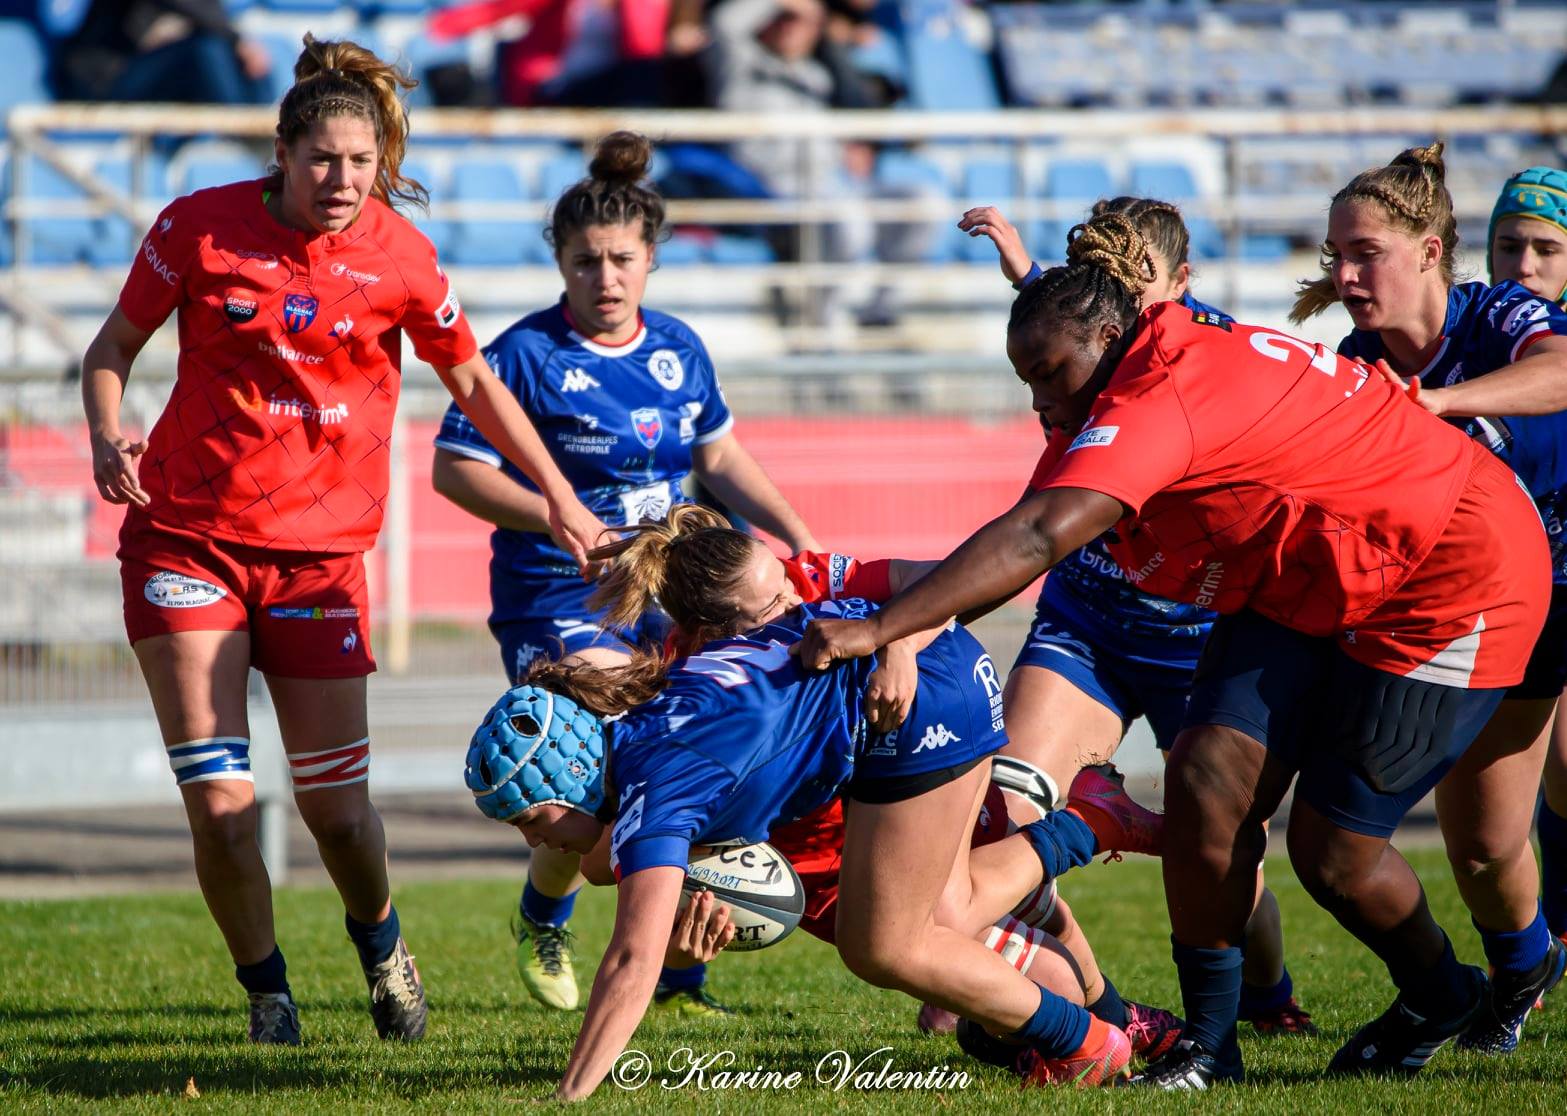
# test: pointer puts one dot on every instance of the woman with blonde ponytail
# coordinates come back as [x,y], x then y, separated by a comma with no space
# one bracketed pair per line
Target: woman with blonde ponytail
[263,482]
[628,400]
[1493,361]
[1348,572]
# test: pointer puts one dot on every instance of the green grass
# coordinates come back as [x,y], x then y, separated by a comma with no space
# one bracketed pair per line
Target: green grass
[118,1002]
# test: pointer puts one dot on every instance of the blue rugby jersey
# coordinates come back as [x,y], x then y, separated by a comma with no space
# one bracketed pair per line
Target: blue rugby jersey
[1489,328]
[620,423]
[1113,613]
[743,740]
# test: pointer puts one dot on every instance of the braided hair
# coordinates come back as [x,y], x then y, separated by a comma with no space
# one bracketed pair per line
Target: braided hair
[1108,266]
[1412,193]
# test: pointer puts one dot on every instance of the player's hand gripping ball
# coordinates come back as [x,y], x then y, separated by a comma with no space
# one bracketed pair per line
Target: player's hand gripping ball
[536,747]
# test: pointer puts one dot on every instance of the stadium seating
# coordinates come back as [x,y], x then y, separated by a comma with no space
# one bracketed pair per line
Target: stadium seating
[26,66]
[945,71]
[487,242]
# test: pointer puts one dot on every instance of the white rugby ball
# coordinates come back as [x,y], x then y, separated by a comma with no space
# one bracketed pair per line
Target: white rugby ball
[764,895]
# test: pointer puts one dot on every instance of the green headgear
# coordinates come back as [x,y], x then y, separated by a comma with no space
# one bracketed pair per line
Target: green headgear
[1540,193]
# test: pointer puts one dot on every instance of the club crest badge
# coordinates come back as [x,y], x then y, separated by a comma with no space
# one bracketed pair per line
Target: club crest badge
[648,425]
[298,312]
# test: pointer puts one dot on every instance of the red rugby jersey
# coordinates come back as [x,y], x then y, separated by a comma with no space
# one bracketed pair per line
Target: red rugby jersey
[277,432]
[1264,472]
[826,577]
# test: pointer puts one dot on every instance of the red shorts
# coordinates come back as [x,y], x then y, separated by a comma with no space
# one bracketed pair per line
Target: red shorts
[814,846]
[308,615]
[1470,614]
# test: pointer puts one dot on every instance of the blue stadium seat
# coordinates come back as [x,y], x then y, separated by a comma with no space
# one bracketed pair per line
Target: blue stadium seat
[284,49]
[25,66]
[729,250]
[437,229]
[683,249]
[561,171]
[56,240]
[1078,182]
[945,70]
[204,171]
[903,174]
[312,6]
[1166,181]
[986,182]
[491,243]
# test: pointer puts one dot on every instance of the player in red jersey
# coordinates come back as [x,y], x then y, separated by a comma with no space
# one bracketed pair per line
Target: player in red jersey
[262,484]
[1371,612]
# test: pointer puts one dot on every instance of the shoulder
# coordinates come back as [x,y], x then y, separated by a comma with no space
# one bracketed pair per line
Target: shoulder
[666,329]
[1198,307]
[1361,344]
[535,335]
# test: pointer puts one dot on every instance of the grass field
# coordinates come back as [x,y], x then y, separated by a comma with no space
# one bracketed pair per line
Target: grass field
[119,1002]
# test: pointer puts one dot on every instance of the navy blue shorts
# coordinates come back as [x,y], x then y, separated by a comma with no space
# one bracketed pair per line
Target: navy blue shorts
[1277,685]
[1131,683]
[955,722]
[1546,674]
[522,641]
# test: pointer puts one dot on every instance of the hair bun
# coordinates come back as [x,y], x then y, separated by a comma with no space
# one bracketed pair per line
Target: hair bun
[1113,243]
[621,158]
[1427,159]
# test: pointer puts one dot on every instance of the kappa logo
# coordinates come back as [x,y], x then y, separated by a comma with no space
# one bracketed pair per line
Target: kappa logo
[299,311]
[171,590]
[936,736]
[648,425]
[526,653]
[577,379]
[665,367]
[342,328]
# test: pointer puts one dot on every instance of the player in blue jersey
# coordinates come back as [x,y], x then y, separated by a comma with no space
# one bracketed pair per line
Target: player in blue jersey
[726,744]
[1102,653]
[1468,351]
[1527,243]
[629,404]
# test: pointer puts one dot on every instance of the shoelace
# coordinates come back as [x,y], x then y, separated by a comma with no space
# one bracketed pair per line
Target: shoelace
[548,944]
[274,1013]
[396,980]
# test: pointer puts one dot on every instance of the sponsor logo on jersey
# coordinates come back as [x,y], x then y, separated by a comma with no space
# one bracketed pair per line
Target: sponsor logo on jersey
[837,573]
[449,311]
[155,261]
[628,822]
[299,311]
[985,675]
[577,379]
[689,413]
[172,590]
[283,352]
[240,306]
[342,328]
[645,505]
[1212,578]
[526,653]
[1094,436]
[1455,375]
[1137,577]
[251,402]
[165,225]
[936,736]
[587,445]
[665,367]
[648,425]
[342,270]
[265,261]
[308,412]
[350,641]
[1204,317]
[313,613]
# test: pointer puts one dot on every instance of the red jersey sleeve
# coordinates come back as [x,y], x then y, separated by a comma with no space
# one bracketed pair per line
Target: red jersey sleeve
[156,283]
[826,577]
[433,318]
[1137,441]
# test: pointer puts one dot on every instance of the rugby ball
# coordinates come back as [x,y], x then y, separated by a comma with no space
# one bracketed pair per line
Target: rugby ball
[765,897]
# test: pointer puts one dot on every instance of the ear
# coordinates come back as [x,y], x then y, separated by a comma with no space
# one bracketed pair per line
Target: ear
[1182,277]
[1430,252]
[1109,334]
[280,154]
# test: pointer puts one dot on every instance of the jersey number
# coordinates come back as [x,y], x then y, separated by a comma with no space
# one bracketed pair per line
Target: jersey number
[1276,346]
[726,666]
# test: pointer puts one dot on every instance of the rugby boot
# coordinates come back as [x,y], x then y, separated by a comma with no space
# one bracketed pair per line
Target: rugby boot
[1401,1041]
[1153,1031]
[1189,1065]
[1101,1060]
[1099,797]
[544,963]
[1289,1018]
[273,1019]
[692,1003]
[1499,1025]
[397,996]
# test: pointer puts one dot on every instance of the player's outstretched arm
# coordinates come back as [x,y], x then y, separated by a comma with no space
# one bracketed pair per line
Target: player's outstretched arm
[482,490]
[1535,385]
[644,912]
[987,220]
[501,419]
[106,366]
[996,562]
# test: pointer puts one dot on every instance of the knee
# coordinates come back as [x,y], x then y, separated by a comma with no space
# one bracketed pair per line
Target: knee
[223,829]
[345,826]
[874,960]
[1473,857]
[1329,875]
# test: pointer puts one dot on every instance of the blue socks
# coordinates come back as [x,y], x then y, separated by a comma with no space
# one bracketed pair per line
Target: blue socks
[1109,1006]
[267,976]
[1553,868]
[374,943]
[1516,951]
[1265,1001]
[1210,994]
[1057,1027]
[1062,841]
[546,910]
[682,980]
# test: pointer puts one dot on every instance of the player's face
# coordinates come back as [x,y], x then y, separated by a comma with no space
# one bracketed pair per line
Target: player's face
[558,827]
[605,268]
[1064,371]
[328,173]
[1530,252]
[765,592]
[1381,273]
